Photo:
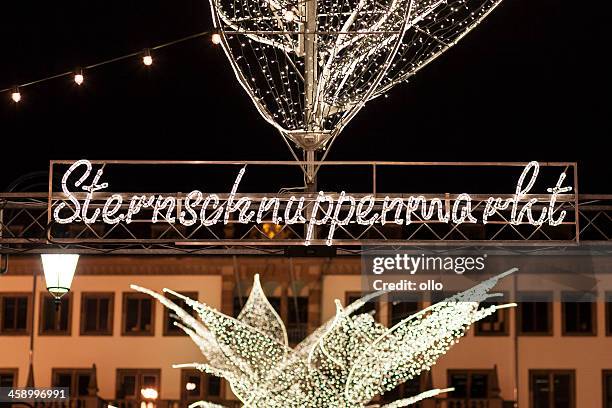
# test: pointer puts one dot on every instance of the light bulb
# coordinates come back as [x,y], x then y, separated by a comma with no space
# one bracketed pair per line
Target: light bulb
[289,15]
[216,38]
[147,59]
[16,95]
[78,77]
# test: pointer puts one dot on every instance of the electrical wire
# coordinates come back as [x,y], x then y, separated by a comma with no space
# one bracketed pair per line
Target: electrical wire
[108,61]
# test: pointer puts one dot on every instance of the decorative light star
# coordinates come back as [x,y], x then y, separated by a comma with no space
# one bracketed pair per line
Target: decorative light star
[310,66]
[345,363]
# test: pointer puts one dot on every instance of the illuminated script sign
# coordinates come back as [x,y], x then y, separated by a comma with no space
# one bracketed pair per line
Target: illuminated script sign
[81,184]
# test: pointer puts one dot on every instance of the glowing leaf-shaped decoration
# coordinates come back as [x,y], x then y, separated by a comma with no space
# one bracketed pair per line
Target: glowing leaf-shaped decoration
[420,339]
[345,363]
[254,352]
[348,338]
[259,314]
[305,347]
[206,341]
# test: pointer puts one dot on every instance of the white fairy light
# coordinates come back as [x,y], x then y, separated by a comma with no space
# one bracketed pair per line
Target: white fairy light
[16,95]
[147,59]
[347,362]
[78,77]
[216,38]
[289,15]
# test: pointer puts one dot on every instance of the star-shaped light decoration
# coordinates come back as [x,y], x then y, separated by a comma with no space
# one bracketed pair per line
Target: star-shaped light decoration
[310,66]
[345,363]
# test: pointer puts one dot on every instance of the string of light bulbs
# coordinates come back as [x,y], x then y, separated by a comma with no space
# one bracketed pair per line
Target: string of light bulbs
[78,74]
[147,58]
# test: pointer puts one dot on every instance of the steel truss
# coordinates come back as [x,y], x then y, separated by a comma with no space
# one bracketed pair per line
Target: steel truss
[26,224]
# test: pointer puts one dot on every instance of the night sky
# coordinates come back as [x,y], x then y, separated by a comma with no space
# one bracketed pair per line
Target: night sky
[531,83]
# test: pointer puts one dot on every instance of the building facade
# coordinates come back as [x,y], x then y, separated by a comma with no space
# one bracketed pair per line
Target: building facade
[107,341]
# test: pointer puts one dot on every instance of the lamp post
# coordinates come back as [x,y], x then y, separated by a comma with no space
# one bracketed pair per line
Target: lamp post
[59,270]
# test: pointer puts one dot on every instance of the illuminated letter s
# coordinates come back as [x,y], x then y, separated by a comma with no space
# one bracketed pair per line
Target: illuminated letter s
[71,197]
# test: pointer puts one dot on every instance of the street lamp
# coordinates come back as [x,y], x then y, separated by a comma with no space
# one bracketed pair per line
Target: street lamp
[59,271]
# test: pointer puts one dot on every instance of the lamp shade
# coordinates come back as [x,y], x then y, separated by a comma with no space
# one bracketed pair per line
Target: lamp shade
[59,270]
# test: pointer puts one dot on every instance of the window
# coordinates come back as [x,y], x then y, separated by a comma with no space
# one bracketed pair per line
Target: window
[370,307]
[551,389]
[470,385]
[55,320]
[130,382]
[97,314]
[15,313]
[607,388]
[170,329]
[297,318]
[579,314]
[138,315]
[8,377]
[78,380]
[399,310]
[609,313]
[534,314]
[198,386]
[496,324]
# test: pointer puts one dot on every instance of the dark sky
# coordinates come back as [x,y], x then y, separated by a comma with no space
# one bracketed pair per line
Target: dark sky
[531,83]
